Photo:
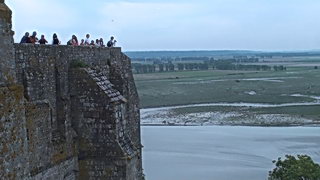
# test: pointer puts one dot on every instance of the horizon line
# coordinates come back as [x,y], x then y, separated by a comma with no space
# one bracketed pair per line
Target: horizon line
[208,50]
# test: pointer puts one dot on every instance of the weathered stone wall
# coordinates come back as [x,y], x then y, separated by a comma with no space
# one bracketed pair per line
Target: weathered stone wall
[99,111]
[62,122]
[13,147]
[7,65]
[97,108]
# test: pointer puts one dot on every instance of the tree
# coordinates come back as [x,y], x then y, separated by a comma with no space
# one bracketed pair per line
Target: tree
[292,168]
[180,66]
[161,67]
[171,67]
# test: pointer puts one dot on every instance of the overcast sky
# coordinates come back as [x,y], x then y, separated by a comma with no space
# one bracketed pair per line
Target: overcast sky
[176,24]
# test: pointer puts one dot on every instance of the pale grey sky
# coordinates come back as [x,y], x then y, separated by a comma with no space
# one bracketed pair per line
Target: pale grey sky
[176,24]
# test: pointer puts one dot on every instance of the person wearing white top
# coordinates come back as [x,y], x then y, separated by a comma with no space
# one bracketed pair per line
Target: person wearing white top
[97,43]
[87,41]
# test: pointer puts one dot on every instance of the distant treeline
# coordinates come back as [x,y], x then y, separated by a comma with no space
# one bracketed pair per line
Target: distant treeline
[140,68]
[238,59]
[230,53]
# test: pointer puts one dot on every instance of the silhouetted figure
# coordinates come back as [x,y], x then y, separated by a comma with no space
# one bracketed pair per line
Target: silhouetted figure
[82,42]
[69,43]
[75,40]
[112,42]
[25,38]
[43,40]
[101,42]
[92,43]
[55,40]
[87,41]
[33,39]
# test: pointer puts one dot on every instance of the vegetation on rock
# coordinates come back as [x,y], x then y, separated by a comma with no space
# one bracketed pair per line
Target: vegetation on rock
[292,168]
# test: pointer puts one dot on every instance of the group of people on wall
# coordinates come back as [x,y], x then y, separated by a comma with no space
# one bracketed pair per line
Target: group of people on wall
[72,42]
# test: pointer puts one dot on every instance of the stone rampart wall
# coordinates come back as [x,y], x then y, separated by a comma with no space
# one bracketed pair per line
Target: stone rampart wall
[54,84]
[66,112]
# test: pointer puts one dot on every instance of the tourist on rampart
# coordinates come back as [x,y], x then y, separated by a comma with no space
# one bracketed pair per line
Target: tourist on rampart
[25,38]
[97,43]
[69,43]
[33,39]
[101,42]
[87,41]
[112,42]
[92,43]
[82,42]
[75,40]
[43,40]
[55,40]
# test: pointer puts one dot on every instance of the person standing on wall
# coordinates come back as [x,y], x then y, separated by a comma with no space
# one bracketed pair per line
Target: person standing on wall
[87,41]
[55,40]
[75,40]
[33,39]
[43,40]
[97,43]
[25,38]
[101,42]
[112,42]
[82,42]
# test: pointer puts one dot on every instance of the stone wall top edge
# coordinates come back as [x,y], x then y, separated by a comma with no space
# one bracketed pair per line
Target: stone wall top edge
[65,46]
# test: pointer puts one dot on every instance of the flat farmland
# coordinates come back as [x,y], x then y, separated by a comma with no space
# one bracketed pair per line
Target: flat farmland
[288,97]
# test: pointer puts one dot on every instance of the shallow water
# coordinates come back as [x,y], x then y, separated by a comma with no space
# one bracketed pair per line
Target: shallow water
[222,152]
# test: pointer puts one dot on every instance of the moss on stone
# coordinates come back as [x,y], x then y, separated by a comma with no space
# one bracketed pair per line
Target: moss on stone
[78,64]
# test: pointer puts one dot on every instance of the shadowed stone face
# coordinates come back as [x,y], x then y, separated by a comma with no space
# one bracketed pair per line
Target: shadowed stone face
[1,1]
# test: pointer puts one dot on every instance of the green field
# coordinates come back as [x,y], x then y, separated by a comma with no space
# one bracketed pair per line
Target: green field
[179,88]
[296,85]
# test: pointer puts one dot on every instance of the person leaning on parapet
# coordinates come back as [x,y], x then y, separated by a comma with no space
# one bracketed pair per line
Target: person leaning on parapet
[43,40]
[97,43]
[92,43]
[87,41]
[82,42]
[33,39]
[25,38]
[112,42]
[75,40]
[55,40]
[101,42]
